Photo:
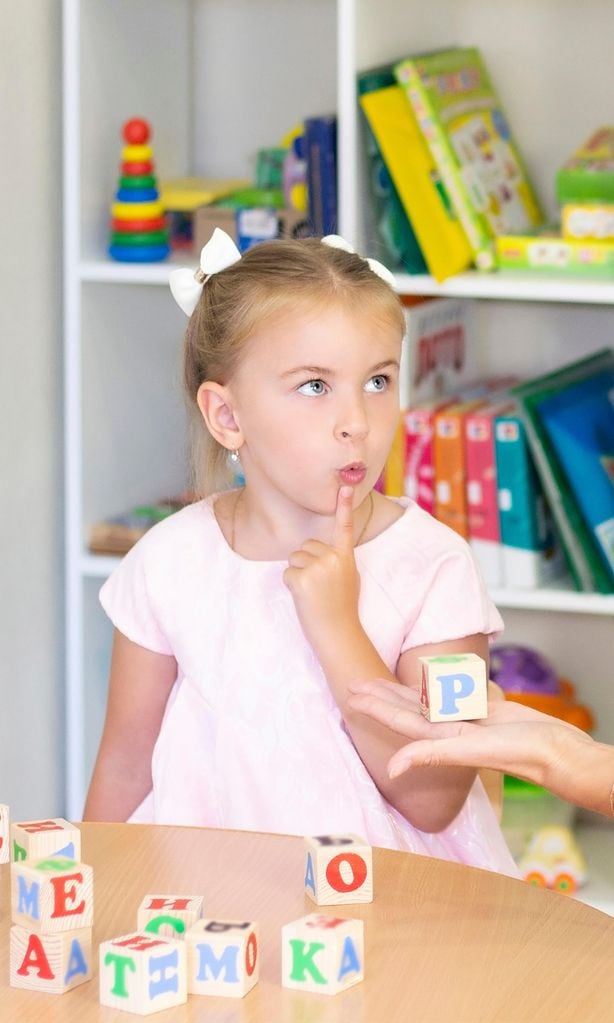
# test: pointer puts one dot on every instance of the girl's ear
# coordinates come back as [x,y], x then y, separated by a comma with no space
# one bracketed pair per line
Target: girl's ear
[215,404]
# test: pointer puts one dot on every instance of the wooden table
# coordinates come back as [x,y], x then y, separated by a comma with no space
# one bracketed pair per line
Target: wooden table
[443,943]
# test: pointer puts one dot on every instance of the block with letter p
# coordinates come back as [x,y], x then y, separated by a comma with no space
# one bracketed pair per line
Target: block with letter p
[338,870]
[52,895]
[453,687]
[41,840]
[142,973]
[223,957]
[170,916]
[322,953]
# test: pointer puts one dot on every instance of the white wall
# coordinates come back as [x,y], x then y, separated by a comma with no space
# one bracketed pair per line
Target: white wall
[31,587]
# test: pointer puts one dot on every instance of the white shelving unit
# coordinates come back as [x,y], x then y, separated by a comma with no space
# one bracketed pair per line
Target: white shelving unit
[217,80]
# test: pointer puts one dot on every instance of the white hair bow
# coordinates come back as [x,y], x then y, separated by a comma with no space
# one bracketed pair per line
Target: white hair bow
[337,242]
[219,253]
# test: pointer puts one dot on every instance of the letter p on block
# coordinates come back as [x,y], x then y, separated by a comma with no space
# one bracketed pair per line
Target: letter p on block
[453,687]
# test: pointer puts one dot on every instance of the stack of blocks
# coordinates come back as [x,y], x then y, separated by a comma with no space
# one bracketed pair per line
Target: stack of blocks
[138,228]
[453,687]
[52,907]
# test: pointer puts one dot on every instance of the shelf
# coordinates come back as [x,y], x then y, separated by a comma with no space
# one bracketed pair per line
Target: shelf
[108,271]
[512,286]
[98,566]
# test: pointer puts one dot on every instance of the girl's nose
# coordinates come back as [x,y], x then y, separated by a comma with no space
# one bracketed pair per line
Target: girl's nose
[352,423]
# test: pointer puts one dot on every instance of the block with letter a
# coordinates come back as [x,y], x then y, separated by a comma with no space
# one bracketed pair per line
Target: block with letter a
[170,916]
[4,833]
[322,953]
[453,687]
[142,973]
[41,840]
[338,870]
[223,957]
[54,963]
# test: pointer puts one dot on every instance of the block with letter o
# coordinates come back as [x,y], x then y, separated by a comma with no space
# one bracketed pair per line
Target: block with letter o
[338,870]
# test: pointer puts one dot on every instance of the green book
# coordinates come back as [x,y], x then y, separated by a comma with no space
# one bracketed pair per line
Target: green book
[464,125]
[583,557]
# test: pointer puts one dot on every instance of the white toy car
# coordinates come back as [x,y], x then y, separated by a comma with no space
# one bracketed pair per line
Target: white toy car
[553,859]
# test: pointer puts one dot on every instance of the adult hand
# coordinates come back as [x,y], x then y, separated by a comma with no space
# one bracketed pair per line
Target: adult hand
[513,738]
[323,578]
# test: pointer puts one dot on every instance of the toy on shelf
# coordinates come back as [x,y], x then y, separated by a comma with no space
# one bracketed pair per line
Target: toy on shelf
[553,859]
[138,230]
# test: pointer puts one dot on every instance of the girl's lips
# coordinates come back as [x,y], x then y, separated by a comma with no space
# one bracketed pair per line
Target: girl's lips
[352,475]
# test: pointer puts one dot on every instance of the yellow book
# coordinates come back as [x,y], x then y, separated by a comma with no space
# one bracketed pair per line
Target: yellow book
[416,179]
[395,464]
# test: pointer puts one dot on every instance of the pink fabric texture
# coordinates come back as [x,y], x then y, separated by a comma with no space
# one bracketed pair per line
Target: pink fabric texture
[252,737]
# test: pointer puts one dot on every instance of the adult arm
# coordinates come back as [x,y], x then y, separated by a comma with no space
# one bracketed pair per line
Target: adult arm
[513,738]
[139,687]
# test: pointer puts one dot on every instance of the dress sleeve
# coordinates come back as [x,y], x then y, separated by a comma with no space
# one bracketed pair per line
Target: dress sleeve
[129,602]
[455,603]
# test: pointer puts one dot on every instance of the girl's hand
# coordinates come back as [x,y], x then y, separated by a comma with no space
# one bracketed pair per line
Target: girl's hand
[513,738]
[323,578]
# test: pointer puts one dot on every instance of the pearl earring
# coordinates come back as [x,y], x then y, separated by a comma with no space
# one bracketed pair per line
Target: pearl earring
[234,457]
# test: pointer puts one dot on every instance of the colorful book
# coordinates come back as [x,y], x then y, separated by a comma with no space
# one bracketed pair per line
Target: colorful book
[321,156]
[531,553]
[579,421]
[397,242]
[462,120]
[548,252]
[583,553]
[419,467]
[417,180]
[481,486]
[588,175]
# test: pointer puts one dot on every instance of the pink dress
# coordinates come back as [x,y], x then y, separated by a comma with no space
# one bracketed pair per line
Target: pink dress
[252,737]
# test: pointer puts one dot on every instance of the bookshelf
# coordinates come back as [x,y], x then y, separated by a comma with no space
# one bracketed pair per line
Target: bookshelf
[237,75]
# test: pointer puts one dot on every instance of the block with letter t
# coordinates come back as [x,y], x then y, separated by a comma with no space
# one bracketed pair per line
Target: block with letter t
[453,687]
[223,957]
[4,834]
[143,973]
[322,953]
[54,963]
[38,840]
[338,870]
[48,896]
[170,916]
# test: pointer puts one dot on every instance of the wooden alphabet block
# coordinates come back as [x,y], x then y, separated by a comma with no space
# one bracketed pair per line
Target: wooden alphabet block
[142,973]
[170,916]
[453,687]
[322,953]
[54,963]
[222,958]
[5,846]
[42,840]
[52,895]
[338,870]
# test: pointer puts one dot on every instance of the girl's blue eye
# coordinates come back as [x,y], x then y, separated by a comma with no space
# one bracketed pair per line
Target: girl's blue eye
[315,388]
[380,382]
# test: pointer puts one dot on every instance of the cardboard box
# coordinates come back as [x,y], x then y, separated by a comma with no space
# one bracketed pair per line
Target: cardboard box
[248,225]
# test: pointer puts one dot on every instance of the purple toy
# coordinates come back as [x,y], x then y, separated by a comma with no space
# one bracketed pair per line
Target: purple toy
[519,669]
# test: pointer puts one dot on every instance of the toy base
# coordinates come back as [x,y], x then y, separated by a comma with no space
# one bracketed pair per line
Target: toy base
[138,253]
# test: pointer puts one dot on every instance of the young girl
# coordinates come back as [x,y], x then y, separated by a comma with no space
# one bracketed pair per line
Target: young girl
[242,620]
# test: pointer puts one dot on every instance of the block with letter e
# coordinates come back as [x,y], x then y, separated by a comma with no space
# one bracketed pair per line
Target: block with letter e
[4,833]
[142,973]
[453,687]
[223,957]
[38,840]
[170,916]
[48,896]
[322,953]
[54,963]
[338,870]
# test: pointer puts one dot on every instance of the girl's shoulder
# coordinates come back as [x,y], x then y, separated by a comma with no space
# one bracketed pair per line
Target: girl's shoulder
[404,529]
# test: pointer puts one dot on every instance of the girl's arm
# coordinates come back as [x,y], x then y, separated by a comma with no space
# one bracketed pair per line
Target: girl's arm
[139,687]
[325,584]
[513,738]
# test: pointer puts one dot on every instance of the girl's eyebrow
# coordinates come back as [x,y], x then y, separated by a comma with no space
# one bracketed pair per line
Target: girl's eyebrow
[323,371]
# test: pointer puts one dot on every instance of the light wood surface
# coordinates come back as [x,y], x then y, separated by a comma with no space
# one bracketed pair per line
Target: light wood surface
[443,943]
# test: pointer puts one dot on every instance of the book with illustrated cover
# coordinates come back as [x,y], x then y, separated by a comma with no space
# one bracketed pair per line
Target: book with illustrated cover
[417,180]
[579,421]
[583,550]
[481,490]
[463,123]
[321,156]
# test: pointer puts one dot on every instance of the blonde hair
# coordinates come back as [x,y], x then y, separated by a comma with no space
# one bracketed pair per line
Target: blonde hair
[270,280]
